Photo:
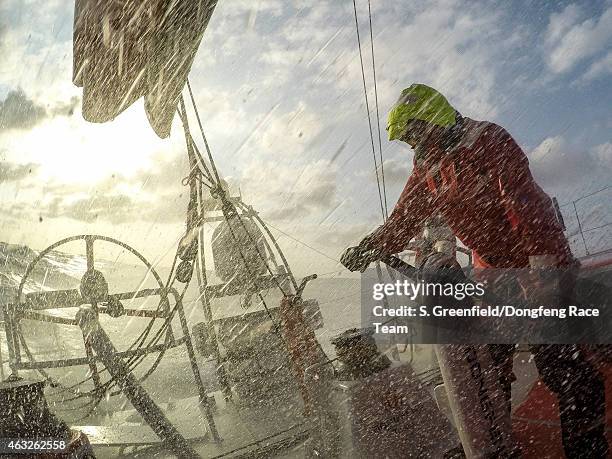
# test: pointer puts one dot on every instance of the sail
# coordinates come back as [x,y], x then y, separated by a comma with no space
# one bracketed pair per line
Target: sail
[127,49]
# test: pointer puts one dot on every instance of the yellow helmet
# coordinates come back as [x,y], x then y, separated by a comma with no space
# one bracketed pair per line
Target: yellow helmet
[419,102]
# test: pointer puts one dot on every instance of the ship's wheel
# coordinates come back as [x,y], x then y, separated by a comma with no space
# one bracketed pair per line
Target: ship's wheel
[93,289]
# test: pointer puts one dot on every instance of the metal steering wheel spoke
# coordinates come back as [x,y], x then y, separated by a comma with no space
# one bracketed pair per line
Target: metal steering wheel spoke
[53,299]
[89,251]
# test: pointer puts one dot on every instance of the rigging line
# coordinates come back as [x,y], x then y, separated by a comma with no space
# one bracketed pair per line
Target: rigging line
[241,221]
[203,168]
[250,214]
[339,271]
[383,202]
[197,176]
[213,167]
[239,217]
[260,255]
[382,167]
[382,164]
[200,167]
[303,243]
[597,227]
[274,242]
[586,196]
[197,114]
[255,284]
[249,271]
[205,300]
[365,93]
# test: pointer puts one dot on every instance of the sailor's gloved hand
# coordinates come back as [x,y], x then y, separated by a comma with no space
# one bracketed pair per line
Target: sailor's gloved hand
[359,258]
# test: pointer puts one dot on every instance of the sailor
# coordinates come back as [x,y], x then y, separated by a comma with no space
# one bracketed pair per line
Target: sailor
[477,178]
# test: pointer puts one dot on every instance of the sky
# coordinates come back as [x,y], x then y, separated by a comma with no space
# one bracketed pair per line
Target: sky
[279,88]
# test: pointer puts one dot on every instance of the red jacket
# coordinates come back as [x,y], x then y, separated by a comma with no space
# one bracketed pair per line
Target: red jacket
[484,190]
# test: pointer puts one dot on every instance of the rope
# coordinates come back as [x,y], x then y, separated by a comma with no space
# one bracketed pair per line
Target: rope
[596,227]
[226,203]
[382,163]
[261,298]
[254,243]
[202,170]
[303,243]
[586,196]
[263,224]
[197,114]
[365,93]
[382,196]
[218,182]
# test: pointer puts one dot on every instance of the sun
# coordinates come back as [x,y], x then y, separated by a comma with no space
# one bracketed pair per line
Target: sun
[69,150]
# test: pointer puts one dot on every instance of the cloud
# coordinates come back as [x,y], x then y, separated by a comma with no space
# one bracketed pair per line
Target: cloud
[71,151]
[37,52]
[604,153]
[396,171]
[344,235]
[2,33]
[163,175]
[113,208]
[288,193]
[119,208]
[570,40]
[301,204]
[560,23]
[64,108]
[599,68]
[553,162]
[3,28]
[279,87]
[11,172]
[296,128]
[556,163]
[154,194]
[450,45]
[18,111]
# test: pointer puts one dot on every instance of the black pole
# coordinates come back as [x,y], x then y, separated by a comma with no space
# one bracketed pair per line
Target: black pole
[138,397]
[205,405]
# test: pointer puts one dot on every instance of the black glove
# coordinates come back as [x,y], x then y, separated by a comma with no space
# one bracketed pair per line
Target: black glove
[359,258]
